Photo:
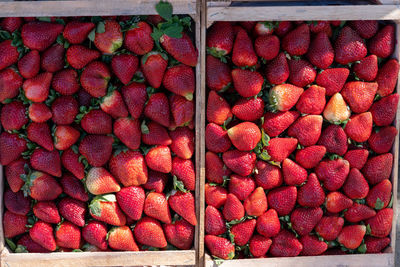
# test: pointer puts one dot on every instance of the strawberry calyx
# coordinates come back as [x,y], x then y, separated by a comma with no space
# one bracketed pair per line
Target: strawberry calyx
[178,185]
[29,177]
[143,128]
[218,53]
[95,205]
[152,53]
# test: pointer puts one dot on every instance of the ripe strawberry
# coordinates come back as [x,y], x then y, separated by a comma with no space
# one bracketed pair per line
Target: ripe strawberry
[297,41]
[131,200]
[218,109]
[381,223]
[351,236]
[105,208]
[13,116]
[215,195]
[382,44]
[243,53]
[244,136]
[182,142]
[47,211]
[64,110]
[387,77]
[365,28]
[319,26]
[65,82]
[68,235]
[220,38]
[180,234]
[182,49]
[309,157]
[239,162]
[359,127]
[283,28]
[312,246]
[97,149]
[256,203]
[11,147]
[153,66]
[11,24]
[135,97]
[182,111]
[121,238]
[124,67]
[111,39]
[73,187]
[276,123]
[38,35]
[321,53]
[216,171]
[75,32]
[282,199]
[42,233]
[241,186]
[40,133]
[156,135]
[329,227]
[184,170]
[267,176]
[16,202]
[378,168]
[382,141]
[73,210]
[233,208]
[283,97]
[379,195]
[39,112]
[349,47]
[336,202]
[356,187]
[384,110]
[149,232]
[220,247]
[293,174]
[8,54]
[248,25]
[128,131]
[114,105]
[29,64]
[285,244]
[280,148]
[311,193]
[307,129]
[334,139]
[302,72]
[214,222]
[336,111]
[268,224]
[156,181]
[305,219]
[37,88]
[159,159]
[358,212]
[247,83]
[332,79]
[217,139]
[65,136]
[375,244]
[333,173]
[183,205]
[94,78]
[312,101]
[367,68]
[359,95]
[243,231]
[70,161]
[78,56]
[180,80]
[157,109]
[357,158]
[277,71]
[99,181]
[52,60]
[267,46]
[129,168]
[248,109]
[10,83]
[139,40]
[218,74]
[47,161]
[95,233]
[41,186]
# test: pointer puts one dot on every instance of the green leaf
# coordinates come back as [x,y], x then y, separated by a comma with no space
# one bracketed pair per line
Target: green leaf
[8,101]
[175,31]
[11,244]
[164,9]
[217,261]
[178,185]
[45,19]
[265,138]
[5,35]
[231,237]
[391,202]
[379,204]
[95,208]
[144,129]
[233,222]
[231,255]
[60,21]
[368,232]
[362,248]
[92,35]
[264,155]
[101,27]
[21,249]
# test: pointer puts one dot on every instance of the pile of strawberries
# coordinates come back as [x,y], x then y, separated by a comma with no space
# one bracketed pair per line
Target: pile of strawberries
[98,140]
[298,138]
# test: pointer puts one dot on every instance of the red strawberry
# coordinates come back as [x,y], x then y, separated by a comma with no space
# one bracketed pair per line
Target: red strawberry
[277,71]
[182,142]
[358,212]
[283,97]
[378,168]
[283,28]
[182,111]
[65,82]
[233,208]
[215,195]
[367,68]
[47,211]
[75,32]
[305,219]
[131,200]
[99,181]
[11,147]
[214,223]
[121,238]
[381,223]
[217,139]
[155,134]
[111,39]
[312,101]
[365,28]
[382,141]
[39,112]
[248,109]
[29,65]
[384,110]
[329,227]
[70,161]
[359,95]
[379,195]
[95,233]
[239,162]
[311,193]
[349,47]
[357,158]
[285,244]
[241,186]
[248,25]
[182,49]
[216,171]
[8,54]
[73,187]
[267,175]
[10,83]
[40,133]
[16,202]
[268,224]
[336,202]
[280,148]
[148,231]
[244,136]
[218,74]
[356,187]
[156,206]
[256,203]
[157,109]
[68,235]
[359,127]
[382,44]
[183,205]
[243,231]
[78,56]
[105,208]
[184,170]
[218,109]
[267,46]
[13,116]
[263,28]
[276,123]
[302,72]
[321,52]
[41,186]
[124,67]
[319,26]
[282,199]
[351,236]
[309,157]
[332,79]
[307,129]
[47,161]
[65,136]
[38,35]
[42,233]
[129,168]
[37,88]
[52,60]
[139,40]
[220,38]
[333,173]
[180,80]
[94,78]
[334,139]
[97,149]
[243,53]
[73,210]
[135,97]
[11,24]
[180,234]
[247,83]
[219,247]
[375,244]
[297,41]
[114,105]
[312,246]
[387,77]
[156,181]
[293,174]
[153,66]
[64,110]
[159,159]
[128,131]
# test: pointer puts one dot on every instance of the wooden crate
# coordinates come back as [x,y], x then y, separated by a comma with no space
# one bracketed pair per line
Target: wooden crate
[223,11]
[101,8]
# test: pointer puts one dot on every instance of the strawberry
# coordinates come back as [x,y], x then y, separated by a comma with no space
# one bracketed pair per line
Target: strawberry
[41,186]
[241,186]
[42,233]
[375,244]
[96,149]
[329,227]
[336,202]
[333,173]
[13,116]
[267,46]
[268,224]
[379,195]
[293,174]
[149,232]
[64,110]
[10,83]
[382,44]
[135,97]
[153,66]
[159,159]
[276,123]
[334,139]
[267,176]
[47,211]
[29,65]
[131,200]
[302,72]
[219,247]
[215,195]
[139,40]
[358,212]
[357,158]
[218,109]
[182,111]
[124,66]
[381,223]
[157,109]
[359,127]
[243,231]
[312,101]
[47,161]
[37,88]
[11,24]
[365,28]
[214,222]
[75,32]
[128,131]
[99,181]
[111,39]
[156,181]
[95,77]
[181,49]
[73,210]
[30,245]
[216,171]
[38,35]
[239,162]
[305,219]
[244,136]
[277,71]
[155,134]
[65,82]
[351,236]
[180,80]
[114,105]
[378,168]
[256,203]
[248,109]
[280,148]
[39,112]
[184,170]
[73,187]
[382,141]
[52,60]
[297,41]
[182,142]
[263,28]
[306,129]
[349,47]
[16,202]
[105,208]
[246,82]
[384,110]
[14,224]
[218,74]
[312,246]
[68,235]
[285,244]
[336,111]
[311,193]
[129,168]
[283,97]
[180,234]
[320,52]
[387,77]
[356,187]
[359,95]
[367,68]
[243,53]
[282,199]
[183,205]
[78,56]
[65,136]
[121,238]
[309,157]
[248,25]
[8,54]
[332,79]
[11,147]
[95,233]
[70,161]
[233,208]
[319,26]
[217,139]
[283,28]
[220,38]
[40,133]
